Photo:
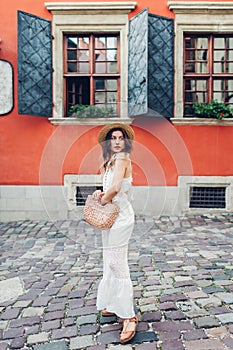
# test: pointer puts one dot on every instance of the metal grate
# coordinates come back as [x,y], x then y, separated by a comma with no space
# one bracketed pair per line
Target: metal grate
[207,197]
[83,191]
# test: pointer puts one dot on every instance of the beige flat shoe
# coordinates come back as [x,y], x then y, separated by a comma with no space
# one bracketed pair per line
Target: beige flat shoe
[129,329]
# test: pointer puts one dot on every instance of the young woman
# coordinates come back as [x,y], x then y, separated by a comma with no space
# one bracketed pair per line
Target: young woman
[115,292]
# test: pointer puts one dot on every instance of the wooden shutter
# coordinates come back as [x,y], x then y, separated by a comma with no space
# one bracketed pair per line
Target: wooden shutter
[151,65]
[34,65]
[138,64]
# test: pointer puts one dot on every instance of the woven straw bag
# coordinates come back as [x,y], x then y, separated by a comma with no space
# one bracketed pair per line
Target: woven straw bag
[98,215]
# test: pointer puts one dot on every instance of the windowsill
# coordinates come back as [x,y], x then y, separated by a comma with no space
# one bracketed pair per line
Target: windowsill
[202,121]
[89,121]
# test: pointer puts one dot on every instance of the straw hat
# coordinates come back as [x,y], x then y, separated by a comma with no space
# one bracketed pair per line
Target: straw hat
[103,133]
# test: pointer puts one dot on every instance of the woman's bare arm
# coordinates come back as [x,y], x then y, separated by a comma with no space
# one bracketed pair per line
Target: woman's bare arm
[119,173]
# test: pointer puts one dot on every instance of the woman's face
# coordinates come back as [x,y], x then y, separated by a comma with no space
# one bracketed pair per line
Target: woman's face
[117,141]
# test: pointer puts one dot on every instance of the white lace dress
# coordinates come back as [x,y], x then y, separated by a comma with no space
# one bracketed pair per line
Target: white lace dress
[115,292]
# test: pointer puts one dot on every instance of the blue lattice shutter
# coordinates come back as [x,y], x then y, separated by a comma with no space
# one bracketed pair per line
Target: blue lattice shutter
[34,65]
[138,64]
[161,65]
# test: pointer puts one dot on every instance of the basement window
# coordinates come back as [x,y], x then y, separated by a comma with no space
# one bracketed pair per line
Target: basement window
[83,191]
[207,197]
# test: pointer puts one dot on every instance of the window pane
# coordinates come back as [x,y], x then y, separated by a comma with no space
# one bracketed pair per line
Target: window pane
[201,97]
[112,43]
[84,43]
[83,55]
[83,67]
[71,55]
[188,111]
[230,43]
[219,67]
[100,55]
[202,43]
[190,42]
[218,85]
[111,55]
[219,55]
[202,67]
[189,97]
[111,97]
[100,97]
[99,84]
[219,43]
[100,42]
[218,96]
[100,67]
[72,42]
[72,67]
[111,67]
[111,84]
[229,65]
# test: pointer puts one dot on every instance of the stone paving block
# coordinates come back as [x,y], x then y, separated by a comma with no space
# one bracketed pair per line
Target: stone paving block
[25,321]
[217,332]
[38,338]
[13,333]
[58,345]
[81,342]
[49,325]
[10,314]
[120,347]
[175,315]
[167,306]
[204,344]
[172,345]
[87,319]
[172,335]
[228,342]
[109,337]
[3,346]
[89,329]
[152,316]
[225,318]
[33,311]
[197,294]
[54,315]
[17,343]
[146,346]
[206,322]
[168,326]
[225,297]
[195,334]
[211,301]
[65,332]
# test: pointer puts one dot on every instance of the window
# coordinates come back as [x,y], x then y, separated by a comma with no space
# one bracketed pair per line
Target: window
[208,68]
[92,71]
[89,58]
[203,57]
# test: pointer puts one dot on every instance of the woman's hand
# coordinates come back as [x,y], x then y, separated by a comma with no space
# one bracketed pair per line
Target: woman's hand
[97,194]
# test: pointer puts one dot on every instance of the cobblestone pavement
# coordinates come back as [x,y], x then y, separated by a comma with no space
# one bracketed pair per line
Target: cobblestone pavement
[181,267]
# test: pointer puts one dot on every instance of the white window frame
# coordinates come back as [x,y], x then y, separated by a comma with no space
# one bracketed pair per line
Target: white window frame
[80,17]
[201,17]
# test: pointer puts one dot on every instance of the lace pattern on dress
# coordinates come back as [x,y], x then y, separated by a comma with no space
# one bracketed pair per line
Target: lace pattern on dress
[116,265]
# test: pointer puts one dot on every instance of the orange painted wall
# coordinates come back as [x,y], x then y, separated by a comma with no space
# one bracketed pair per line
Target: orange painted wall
[33,152]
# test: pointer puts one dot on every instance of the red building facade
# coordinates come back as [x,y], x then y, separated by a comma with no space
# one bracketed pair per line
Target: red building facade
[136,62]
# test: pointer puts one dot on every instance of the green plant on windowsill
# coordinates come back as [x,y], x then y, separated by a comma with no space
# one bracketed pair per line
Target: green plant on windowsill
[89,111]
[214,109]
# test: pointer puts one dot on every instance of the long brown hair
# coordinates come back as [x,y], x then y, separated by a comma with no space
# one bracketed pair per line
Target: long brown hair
[106,145]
